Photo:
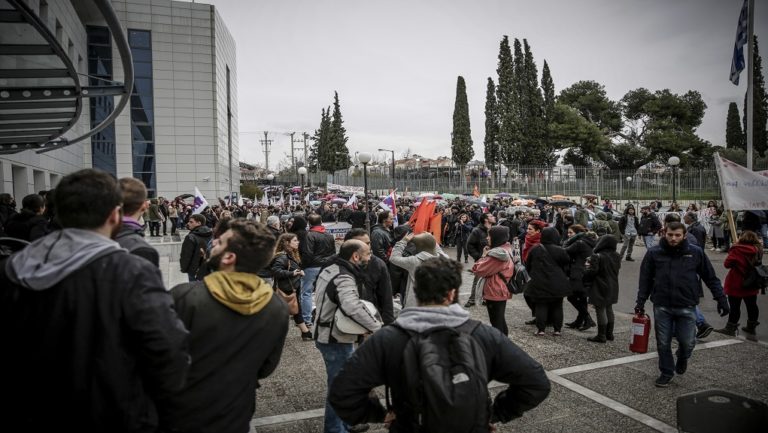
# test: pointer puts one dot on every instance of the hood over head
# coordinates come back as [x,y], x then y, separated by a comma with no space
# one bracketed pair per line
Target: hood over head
[420,319]
[606,243]
[299,223]
[52,258]
[550,235]
[499,235]
[601,216]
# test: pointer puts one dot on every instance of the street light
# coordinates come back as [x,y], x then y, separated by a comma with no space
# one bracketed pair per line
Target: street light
[674,162]
[364,158]
[393,165]
[302,173]
[629,183]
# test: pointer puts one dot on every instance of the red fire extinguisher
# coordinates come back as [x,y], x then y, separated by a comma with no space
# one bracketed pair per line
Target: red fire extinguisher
[639,333]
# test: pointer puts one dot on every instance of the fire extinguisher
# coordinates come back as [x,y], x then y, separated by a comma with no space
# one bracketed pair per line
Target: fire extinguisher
[640,332]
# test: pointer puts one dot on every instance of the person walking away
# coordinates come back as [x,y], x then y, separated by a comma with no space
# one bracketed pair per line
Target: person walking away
[237,331]
[380,361]
[579,247]
[602,274]
[547,266]
[29,224]
[89,332]
[286,273]
[317,251]
[131,234]
[670,275]
[194,247]
[629,226]
[496,268]
[742,257]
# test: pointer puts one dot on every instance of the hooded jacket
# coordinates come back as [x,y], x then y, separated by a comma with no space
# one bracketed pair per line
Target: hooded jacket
[92,326]
[191,255]
[497,268]
[547,265]
[477,240]
[131,237]
[378,361]
[26,225]
[410,264]
[237,331]
[741,257]
[579,248]
[603,273]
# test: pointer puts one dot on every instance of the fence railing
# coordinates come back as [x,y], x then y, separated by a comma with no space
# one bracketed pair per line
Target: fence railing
[635,185]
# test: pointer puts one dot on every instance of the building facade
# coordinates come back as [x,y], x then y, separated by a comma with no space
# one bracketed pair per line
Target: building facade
[179,130]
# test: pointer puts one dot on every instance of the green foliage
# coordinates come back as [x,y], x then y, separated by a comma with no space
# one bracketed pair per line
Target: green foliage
[249,190]
[760,107]
[491,145]
[583,139]
[505,93]
[322,143]
[734,136]
[590,99]
[461,138]
[739,156]
[338,138]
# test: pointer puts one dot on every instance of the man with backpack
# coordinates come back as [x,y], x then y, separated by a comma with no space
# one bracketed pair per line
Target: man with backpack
[452,396]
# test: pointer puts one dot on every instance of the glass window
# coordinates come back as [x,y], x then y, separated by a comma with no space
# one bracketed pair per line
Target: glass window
[98,35]
[142,69]
[103,155]
[139,39]
[141,55]
[143,148]
[143,133]
[144,163]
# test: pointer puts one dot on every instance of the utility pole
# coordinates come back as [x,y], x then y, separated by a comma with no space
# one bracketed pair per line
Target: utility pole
[293,159]
[266,142]
[306,158]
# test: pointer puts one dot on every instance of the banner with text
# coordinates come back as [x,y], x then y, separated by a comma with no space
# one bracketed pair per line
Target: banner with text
[742,188]
[345,188]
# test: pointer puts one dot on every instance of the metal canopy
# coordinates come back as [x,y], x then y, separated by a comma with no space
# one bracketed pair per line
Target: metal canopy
[40,93]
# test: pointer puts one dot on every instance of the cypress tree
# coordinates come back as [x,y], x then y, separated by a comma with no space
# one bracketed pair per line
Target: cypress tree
[338,138]
[461,139]
[517,110]
[548,110]
[505,101]
[532,112]
[491,149]
[760,107]
[734,136]
[322,143]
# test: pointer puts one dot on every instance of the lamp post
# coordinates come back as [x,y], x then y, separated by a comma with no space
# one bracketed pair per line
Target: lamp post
[393,165]
[364,158]
[302,173]
[629,183]
[674,162]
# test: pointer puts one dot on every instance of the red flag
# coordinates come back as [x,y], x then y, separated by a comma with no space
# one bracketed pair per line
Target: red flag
[422,217]
[434,226]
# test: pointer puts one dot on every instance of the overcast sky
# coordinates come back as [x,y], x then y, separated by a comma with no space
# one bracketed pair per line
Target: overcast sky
[395,62]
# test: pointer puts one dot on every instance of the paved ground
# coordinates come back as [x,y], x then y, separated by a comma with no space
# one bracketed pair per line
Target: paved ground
[596,388]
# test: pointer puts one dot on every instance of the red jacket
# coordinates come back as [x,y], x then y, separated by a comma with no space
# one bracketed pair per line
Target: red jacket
[739,260]
[492,267]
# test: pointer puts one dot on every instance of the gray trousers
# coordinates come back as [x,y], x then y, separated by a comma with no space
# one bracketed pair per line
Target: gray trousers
[629,244]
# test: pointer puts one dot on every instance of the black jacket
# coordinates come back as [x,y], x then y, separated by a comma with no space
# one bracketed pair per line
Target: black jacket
[547,266]
[357,219]
[603,273]
[319,249]
[378,361]
[579,248]
[623,223]
[699,232]
[649,225]
[191,255]
[477,240]
[282,268]
[382,241]
[378,288]
[132,239]
[26,225]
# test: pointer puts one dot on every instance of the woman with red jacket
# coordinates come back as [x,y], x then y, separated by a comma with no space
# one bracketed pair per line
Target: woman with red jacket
[741,258]
[495,265]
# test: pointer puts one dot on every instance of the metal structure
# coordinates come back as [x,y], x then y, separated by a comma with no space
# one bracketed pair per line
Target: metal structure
[40,93]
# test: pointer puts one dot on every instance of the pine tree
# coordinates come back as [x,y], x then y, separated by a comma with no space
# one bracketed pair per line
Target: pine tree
[505,101]
[318,145]
[517,114]
[532,113]
[734,136]
[321,138]
[338,138]
[760,107]
[548,111]
[461,138]
[491,149]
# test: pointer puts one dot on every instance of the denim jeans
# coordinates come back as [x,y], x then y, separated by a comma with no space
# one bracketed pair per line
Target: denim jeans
[307,290]
[335,355]
[629,244]
[649,240]
[700,320]
[669,321]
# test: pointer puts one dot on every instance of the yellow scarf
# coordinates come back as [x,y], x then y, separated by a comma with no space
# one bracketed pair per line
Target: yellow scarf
[242,292]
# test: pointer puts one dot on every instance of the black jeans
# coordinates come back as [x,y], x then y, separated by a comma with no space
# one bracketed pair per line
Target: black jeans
[752,311]
[604,315]
[461,248]
[549,312]
[496,310]
[579,302]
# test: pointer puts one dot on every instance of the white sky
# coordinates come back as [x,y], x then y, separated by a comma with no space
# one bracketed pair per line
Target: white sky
[395,62]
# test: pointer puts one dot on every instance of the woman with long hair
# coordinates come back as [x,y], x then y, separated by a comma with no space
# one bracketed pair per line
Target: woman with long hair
[495,265]
[287,274]
[461,231]
[742,256]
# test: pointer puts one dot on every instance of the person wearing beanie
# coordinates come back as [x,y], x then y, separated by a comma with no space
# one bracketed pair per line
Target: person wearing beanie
[496,268]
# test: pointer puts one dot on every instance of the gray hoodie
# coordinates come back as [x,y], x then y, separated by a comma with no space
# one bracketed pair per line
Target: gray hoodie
[410,264]
[50,259]
[420,319]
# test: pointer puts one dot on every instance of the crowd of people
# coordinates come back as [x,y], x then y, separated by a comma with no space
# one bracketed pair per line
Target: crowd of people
[86,317]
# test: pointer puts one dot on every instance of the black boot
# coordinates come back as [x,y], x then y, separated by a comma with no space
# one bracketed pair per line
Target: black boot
[609,331]
[600,337]
[730,329]
[751,325]
[588,323]
[576,324]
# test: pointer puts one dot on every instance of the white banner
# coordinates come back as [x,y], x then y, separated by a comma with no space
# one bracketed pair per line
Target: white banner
[344,188]
[200,202]
[337,230]
[741,188]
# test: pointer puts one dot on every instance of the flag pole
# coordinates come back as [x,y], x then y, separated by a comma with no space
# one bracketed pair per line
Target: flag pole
[750,88]
[732,224]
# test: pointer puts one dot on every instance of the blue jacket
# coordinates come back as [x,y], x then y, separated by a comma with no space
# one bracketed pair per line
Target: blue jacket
[670,276]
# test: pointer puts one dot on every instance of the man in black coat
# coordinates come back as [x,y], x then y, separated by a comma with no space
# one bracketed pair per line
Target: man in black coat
[478,240]
[131,234]
[378,361]
[194,246]
[237,330]
[357,218]
[88,331]
[29,224]
[696,229]
[378,287]
[382,237]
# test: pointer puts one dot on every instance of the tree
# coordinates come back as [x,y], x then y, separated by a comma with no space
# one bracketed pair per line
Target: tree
[322,151]
[590,99]
[760,105]
[734,136]
[461,138]
[491,149]
[505,95]
[583,139]
[338,138]
[548,111]
[532,124]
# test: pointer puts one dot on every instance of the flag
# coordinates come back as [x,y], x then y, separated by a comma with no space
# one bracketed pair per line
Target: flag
[435,223]
[352,200]
[264,200]
[422,217]
[476,191]
[307,198]
[390,205]
[741,188]
[200,202]
[280,202]
[737,64]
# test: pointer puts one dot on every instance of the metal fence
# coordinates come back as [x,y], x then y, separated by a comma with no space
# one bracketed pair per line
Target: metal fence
[636,185]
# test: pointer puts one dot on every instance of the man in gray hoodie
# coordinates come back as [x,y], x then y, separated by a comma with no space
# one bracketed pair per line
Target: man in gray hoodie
[427,248]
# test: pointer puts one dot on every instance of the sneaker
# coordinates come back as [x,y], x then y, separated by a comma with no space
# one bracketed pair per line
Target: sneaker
[630,259]
[663,381]
[539,333]
[556,334]
[681,366]
[704,330]
[306,336]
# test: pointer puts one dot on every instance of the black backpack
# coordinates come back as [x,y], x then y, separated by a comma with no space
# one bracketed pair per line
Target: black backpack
[446,380]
